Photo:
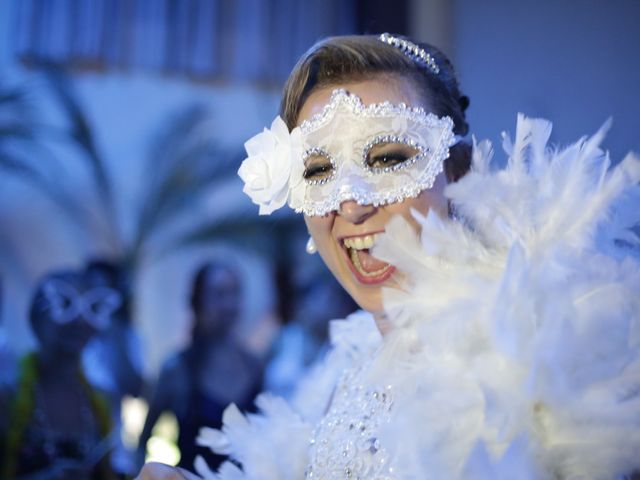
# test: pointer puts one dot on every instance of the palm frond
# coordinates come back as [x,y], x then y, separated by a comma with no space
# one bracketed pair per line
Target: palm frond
[260,234]
[184,161]
[21,167]
[25,149]
[80,131]
[16,114]
[15,100]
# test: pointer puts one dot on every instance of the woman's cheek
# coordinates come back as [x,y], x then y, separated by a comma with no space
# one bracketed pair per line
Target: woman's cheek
[431,200]
[320,229]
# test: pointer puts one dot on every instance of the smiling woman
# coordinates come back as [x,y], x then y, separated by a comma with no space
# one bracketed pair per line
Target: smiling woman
[390,158]
[500,309]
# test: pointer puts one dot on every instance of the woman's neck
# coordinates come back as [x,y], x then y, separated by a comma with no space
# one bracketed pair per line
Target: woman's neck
[382,322]
[52,365]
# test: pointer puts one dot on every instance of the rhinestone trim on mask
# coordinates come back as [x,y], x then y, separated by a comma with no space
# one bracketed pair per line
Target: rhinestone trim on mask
[321,153]
[422,151]
[342,97]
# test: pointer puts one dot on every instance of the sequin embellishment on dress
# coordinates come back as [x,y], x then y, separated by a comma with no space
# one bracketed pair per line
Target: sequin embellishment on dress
[345,443]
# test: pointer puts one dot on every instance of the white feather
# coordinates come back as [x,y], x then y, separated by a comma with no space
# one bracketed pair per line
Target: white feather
[537,313]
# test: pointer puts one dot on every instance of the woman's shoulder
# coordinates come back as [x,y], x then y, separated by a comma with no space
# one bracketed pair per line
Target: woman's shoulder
[175,364]
[175,375]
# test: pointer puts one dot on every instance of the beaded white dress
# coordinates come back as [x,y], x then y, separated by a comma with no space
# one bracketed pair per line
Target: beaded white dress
[344,444]
[515,352]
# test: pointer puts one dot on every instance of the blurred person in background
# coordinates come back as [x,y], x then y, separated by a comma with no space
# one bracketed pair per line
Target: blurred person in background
[199,382]
[112,360]
[302,342]
[54,424]
[8,364]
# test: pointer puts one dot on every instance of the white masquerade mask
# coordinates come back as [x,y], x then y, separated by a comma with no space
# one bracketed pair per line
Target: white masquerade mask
[375,154]
[66,303]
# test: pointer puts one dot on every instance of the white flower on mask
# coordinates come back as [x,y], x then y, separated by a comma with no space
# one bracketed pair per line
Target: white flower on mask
[272,172]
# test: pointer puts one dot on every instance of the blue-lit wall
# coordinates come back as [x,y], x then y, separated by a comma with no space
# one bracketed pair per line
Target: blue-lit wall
[574,62]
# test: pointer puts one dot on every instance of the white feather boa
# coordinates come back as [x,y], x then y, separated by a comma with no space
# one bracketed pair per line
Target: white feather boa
[516,348]
[526,318]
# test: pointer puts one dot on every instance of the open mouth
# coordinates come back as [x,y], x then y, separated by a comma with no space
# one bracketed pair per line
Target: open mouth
[366,268]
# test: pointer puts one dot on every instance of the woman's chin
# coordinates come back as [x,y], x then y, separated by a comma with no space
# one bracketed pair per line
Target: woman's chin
[371,301]
[369,296]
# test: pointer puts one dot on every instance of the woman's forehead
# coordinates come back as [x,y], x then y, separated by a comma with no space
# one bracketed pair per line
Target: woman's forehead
[383,89]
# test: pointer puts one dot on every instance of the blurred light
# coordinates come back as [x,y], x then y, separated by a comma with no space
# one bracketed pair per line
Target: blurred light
[133,414]
[162,447]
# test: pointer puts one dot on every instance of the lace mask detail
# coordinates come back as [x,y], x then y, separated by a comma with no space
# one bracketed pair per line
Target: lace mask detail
[375,154]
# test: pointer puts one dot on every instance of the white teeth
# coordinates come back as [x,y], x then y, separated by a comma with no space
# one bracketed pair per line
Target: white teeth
[354,244]
[363,272]
[360,243]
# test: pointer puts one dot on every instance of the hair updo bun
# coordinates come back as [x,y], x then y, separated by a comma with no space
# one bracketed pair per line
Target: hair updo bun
[464,102]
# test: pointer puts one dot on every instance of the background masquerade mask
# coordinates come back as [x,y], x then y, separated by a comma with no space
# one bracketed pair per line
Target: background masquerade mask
[66,303]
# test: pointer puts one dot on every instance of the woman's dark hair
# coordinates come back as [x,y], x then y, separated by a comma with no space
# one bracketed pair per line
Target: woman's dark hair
[336,60]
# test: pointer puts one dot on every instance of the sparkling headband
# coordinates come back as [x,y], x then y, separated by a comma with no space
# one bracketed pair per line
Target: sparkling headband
[412,51]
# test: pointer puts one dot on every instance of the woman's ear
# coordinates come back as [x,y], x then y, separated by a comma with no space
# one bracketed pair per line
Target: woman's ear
[458,163]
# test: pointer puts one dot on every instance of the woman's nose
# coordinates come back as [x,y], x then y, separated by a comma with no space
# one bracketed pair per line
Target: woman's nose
[354,213]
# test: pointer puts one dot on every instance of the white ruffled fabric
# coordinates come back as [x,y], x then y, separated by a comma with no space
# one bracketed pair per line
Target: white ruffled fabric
[516,352]
[274,443]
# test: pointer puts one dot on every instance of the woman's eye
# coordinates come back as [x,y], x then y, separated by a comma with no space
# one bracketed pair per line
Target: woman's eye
[318,166]
[383,160]
[318,172]
[385,155]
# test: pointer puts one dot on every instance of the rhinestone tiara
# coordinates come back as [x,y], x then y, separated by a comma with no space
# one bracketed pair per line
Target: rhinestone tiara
[411,50]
